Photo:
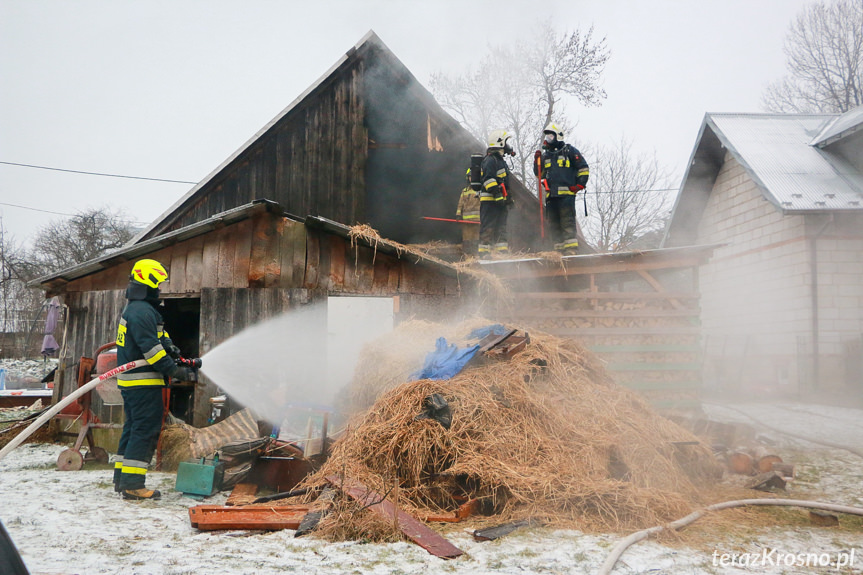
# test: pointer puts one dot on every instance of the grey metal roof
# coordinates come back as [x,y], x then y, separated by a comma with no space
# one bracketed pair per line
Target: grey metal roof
[796,176]
[841,126]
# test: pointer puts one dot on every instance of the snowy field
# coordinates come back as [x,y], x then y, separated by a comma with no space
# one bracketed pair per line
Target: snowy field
[73,523]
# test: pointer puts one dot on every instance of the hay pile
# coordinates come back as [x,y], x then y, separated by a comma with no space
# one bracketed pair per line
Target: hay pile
[546,435]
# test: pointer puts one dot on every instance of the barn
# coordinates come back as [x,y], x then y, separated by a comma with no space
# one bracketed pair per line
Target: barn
[782,297]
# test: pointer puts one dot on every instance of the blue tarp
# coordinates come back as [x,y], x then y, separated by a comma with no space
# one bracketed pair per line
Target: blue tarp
[445,361]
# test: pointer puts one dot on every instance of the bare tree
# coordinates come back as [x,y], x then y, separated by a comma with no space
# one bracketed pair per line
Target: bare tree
[824,50]
[628,199]
[520,88]
[86,235]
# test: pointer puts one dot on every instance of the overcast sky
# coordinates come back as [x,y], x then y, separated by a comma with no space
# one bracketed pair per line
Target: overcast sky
[170,89]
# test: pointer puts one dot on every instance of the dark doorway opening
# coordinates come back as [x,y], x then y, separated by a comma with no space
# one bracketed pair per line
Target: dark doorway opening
[183,323]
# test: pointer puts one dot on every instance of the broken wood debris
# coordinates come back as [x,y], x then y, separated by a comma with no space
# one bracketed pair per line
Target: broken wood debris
[766,482]
[213,517]
[498,531]
[322,507]
[420,534]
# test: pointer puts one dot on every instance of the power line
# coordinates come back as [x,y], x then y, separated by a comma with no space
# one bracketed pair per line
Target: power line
[57,213]
[97,173]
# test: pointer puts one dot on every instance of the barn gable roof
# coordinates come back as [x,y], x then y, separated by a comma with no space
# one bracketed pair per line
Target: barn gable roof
[777,152]
[369,45]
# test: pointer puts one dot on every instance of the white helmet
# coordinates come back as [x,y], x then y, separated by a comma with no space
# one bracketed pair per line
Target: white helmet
[498,139]
[553,129]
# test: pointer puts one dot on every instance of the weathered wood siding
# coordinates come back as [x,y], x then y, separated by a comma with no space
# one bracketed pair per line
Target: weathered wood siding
[92,322]
[311,161]
[642,319]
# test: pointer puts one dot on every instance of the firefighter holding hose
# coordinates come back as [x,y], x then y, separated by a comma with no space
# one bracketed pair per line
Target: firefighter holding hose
[141,335]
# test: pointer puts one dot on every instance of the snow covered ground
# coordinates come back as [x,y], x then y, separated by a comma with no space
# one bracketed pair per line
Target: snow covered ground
[73,523]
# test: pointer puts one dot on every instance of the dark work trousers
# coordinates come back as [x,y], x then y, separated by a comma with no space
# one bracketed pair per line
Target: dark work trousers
[560,211]
[143,407]
[492,223]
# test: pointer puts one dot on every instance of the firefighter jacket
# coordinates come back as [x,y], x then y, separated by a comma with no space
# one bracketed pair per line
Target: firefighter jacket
[468,205]
[495,178]
[563,168]
[141,335]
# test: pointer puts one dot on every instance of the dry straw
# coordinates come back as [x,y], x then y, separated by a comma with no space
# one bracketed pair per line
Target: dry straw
[546,435]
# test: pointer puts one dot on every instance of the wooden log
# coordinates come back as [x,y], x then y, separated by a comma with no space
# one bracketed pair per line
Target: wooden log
[767,462]
[740,462]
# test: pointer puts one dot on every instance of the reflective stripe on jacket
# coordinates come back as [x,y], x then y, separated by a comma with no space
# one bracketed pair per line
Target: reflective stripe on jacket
[140,335]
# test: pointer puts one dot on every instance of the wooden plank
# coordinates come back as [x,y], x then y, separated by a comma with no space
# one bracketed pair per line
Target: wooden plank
[659,287]
[646,385]
[690,348]
[601,295]
[210,261]
[336,280]
[265,256]
[626,313]
[177,270]
[313,260]
[194,263]
[227,252]
[652,366]
[579,268]
[242,494]
[242,231]
[298,232]
[429,540]
[646,331]
[214,517]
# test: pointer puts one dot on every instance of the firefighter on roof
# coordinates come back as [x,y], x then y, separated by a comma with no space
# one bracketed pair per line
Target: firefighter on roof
[468,210]
[563,173]
[494,197]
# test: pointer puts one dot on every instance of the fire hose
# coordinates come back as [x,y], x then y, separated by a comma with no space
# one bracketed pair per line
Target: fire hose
[21,437]
[622,545]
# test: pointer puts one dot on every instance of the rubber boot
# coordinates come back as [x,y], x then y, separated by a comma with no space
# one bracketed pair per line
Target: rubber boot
[118,473]
[142,493]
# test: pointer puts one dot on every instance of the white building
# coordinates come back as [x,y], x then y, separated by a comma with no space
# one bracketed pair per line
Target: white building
[782,298]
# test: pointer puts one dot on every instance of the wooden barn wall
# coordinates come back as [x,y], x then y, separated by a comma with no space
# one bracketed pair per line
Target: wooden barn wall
[312,161]
[227,311]
[92,322]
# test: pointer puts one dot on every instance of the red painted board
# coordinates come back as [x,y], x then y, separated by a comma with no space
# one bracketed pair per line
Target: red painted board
[212,517]
[429,540]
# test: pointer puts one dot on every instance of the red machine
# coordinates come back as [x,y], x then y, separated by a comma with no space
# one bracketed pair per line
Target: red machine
[72,459]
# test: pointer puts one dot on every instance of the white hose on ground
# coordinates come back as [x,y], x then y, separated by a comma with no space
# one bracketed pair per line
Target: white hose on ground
[622,545]
[19,439]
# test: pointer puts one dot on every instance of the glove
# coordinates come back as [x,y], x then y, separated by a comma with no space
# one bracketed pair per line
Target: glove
[174,351]
[183,373]
[509,202]
[536,156]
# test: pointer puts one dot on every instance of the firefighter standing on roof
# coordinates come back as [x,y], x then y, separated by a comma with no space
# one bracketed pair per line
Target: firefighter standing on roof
[468,211]
[564,173]
[141,335]
[494,197]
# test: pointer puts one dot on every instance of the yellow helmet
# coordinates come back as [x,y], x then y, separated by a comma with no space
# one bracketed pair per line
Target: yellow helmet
[553,129]
[149,272]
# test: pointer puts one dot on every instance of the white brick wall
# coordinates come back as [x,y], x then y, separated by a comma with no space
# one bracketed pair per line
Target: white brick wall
[757,288]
